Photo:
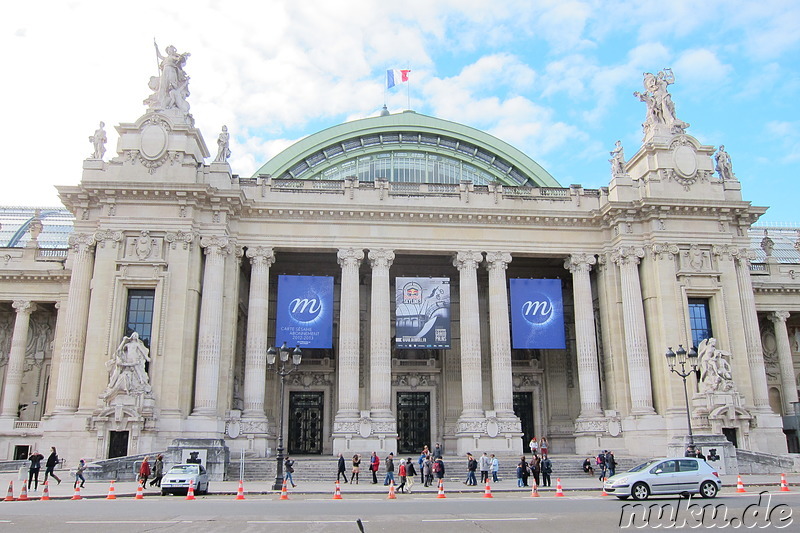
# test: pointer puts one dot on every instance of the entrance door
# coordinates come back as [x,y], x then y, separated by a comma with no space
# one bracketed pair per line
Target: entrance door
[305,423]
[523,408]
[117,444]
[413,421]
[730,434]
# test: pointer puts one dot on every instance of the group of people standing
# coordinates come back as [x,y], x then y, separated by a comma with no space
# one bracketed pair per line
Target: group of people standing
[538,467]
[36,465]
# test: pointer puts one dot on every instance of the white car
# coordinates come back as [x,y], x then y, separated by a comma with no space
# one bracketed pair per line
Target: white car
[178,478]
[675,475]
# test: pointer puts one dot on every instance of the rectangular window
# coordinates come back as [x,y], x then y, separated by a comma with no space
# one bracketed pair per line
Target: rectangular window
[699,320]
[139,316]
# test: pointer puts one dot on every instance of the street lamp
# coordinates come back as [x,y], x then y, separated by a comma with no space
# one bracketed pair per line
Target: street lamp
[681,357]
[297,356]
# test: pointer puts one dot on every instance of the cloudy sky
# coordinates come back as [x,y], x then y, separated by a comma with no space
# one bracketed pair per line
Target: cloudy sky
[553,78]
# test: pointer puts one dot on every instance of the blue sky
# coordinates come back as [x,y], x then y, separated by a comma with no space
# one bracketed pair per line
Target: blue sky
[553,78]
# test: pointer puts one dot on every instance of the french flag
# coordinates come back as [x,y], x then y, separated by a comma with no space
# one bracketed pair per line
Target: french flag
[395,76]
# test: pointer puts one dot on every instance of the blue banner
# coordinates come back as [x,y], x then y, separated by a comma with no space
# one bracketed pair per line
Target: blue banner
[305,311]
[422,313]
[537,314]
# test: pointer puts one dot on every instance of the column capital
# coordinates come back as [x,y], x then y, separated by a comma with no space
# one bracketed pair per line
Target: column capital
[349,257]
[24,306]
[261,255]
[724,251]
[579,262]
[81,242]
[466,260]
[664,250]
[103,236]
[215,244]
[778,316]
[627,255]
[743,256]
[381,258]
[497,260]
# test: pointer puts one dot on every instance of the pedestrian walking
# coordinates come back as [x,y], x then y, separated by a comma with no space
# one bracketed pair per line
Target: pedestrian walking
[158,471]
[356,468]
[341,470]
[427,472]
[495,468]
[438,468]
[547,469]
[79,474]
[611,463]
[472,466]
[52,461]
[288,466]
[374,465]
[410,473]
[484,464]
[535,467]
[421,463]
[401,472]
[33,471]
[601,464]
[144,471]
[389,469]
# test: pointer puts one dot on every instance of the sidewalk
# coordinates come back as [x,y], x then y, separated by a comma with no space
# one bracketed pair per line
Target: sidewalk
[127,489]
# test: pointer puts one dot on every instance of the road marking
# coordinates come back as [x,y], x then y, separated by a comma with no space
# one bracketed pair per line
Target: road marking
[304,521]
[505,519]
[127,522]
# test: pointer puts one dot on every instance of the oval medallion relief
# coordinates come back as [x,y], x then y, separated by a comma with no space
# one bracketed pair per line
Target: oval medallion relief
[685,161]
[154,141]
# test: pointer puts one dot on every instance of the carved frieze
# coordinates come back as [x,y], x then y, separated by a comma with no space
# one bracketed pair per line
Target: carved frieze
[694,259]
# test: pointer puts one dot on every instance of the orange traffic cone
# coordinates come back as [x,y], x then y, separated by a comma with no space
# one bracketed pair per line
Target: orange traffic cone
[189,493]
[284,492]
[77,495]
[487,492]
[604,493]
[10,497]
[111,494]
[139,492]
[240,491]
[784,484]
[534,490]
[45,492]
[392,495]
[23,495]
[441,489]
[337,493]
[559,490]
[739,484]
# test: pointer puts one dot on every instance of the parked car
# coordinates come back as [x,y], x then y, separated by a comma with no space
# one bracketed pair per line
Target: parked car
[178,478]
[675,475]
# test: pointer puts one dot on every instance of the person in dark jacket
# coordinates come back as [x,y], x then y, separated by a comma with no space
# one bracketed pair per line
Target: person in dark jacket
[50,465]
[158,471]
[535,468]
[547,469]
[33,472]
[472,466]
[374,466]
[438,468]
[342,471]
[389,469]
[522,472]
[288,467]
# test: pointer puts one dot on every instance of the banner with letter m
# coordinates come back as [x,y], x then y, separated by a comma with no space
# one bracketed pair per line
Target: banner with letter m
[537,314]
[305,311]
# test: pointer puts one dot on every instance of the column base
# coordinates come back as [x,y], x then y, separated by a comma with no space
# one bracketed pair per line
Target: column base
[489,433]
[364,434]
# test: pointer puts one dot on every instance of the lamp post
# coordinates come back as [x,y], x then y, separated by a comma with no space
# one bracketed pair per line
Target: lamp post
[297,356]
[682,359]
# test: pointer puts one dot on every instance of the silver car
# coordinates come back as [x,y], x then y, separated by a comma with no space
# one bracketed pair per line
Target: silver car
[178,478]
[675,475]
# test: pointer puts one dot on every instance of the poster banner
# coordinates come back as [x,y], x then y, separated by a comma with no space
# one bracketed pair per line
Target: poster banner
[422,313]
[305,311]
[537,314]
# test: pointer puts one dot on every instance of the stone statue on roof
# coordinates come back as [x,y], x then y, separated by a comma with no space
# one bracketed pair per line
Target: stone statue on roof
[723,166]
[617,160]
[171,86]
[98,141]
[223,146]
[661,116]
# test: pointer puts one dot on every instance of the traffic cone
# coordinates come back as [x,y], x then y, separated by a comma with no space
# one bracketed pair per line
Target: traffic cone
[739,484]
[10,497]
[111,494]
[23,495]
[559,490]
[392,495]
[189,493]
[784,484]
[139,492]
[45,492]
[604,493]
[284,492]
[441,489]
[487,492]
[534,490]
[240,491]
[337,494]
[77,495]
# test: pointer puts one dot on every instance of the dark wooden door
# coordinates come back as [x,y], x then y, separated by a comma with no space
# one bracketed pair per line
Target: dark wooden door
[117,444]
[305,422]
[413,421]
[523,408]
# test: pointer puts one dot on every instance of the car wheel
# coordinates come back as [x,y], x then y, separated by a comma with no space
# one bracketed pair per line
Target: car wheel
[622,497]
[708,489]
[640,491]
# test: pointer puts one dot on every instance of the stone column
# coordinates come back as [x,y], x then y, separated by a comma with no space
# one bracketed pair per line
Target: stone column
[16,358]
[347,367]
[470,327]
[788,383]
[209,342]
[585,335]
[380,383]
[500,334]
[755,354]
[628,258]
[76,314]
[255,362]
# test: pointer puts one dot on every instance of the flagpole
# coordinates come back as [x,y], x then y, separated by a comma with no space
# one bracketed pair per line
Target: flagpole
[408,94]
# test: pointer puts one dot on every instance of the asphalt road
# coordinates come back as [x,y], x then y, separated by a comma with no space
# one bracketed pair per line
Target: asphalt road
[467,513]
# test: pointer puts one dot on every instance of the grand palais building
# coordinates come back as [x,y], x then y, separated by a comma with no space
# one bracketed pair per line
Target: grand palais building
[441,285]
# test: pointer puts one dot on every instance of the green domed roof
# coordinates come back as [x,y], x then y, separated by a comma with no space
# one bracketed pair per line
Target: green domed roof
[407,147]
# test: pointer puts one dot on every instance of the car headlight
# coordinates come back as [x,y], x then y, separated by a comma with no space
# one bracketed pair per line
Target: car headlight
[620,481]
